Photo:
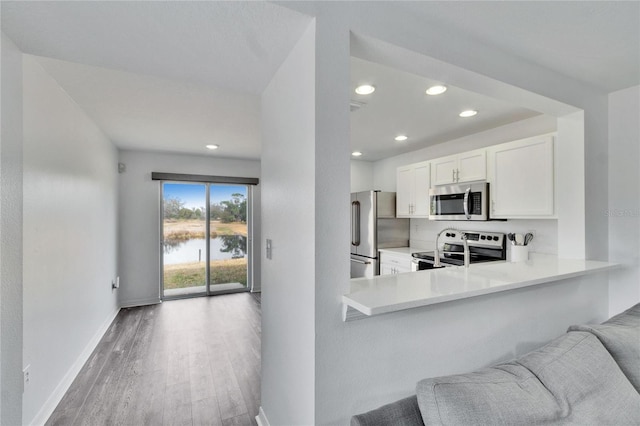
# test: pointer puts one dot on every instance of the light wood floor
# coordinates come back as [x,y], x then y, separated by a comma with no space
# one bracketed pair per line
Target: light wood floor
[183,362]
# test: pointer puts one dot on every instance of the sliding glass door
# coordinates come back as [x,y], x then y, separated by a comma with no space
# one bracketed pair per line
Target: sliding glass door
[205,239]
[229,230]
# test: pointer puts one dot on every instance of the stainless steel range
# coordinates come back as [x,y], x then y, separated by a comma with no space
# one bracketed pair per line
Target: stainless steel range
[483,247]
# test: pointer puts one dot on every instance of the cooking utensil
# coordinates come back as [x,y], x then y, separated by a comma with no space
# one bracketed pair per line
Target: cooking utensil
[519,239]
[528,238]
[511,236]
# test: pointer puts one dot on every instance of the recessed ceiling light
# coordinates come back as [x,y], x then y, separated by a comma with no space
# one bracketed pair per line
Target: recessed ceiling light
[436,90]
[212,146]
[365,89]
[356,153]
[468,113]
[401,138]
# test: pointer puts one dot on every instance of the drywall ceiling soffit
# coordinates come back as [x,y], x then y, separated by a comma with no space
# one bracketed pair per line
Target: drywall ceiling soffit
[595,42]
[229,45]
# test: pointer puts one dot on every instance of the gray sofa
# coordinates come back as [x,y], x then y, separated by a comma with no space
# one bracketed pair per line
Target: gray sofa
[589,376]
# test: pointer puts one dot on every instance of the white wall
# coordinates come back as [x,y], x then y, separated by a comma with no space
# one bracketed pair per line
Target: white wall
[139,216]
[362,364]
[11,292]
[362,176]
[70,228]
[623,209]
[288,219]
[570,182]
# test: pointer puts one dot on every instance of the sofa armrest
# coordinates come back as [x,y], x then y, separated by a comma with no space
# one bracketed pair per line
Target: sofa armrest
[620,335]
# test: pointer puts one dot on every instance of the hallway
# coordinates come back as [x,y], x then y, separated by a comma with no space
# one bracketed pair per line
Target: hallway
[182,362]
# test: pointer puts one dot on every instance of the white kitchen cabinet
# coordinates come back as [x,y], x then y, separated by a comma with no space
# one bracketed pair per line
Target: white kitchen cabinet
[466,167]
[394,263]
[521,177]
[412,190]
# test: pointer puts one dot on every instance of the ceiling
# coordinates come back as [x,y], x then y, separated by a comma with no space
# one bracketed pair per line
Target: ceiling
[148,113]
[400,106]
[174,76]
[162,76]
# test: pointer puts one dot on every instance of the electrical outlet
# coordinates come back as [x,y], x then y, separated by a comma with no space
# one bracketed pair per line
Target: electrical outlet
[26,376]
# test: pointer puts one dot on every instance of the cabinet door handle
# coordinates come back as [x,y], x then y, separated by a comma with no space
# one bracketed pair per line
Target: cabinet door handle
[453,175]
[457,175]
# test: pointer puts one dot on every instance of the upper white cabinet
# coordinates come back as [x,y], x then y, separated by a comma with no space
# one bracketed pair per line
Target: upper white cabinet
[412,192]
[521,177]
[465,167]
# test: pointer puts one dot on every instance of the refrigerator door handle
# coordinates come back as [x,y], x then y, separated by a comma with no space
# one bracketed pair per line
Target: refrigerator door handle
[360,261]
[355,223]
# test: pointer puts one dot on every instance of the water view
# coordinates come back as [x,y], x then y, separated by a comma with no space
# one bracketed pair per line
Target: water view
[185,235]
[222,247]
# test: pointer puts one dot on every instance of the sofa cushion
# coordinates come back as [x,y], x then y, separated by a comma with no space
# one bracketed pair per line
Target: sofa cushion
[504,394]
[404,412]
[621,336]
[584,379]
[572,380]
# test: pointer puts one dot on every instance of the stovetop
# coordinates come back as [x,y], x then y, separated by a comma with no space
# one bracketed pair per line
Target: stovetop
[453,258]
[483,247]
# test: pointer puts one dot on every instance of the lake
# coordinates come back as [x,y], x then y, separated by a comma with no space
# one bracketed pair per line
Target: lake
[222,247]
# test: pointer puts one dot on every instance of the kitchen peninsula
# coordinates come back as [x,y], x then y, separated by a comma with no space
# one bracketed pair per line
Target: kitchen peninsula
[390,293]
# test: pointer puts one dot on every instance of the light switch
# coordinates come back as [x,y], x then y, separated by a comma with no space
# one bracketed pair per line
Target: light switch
[268,248]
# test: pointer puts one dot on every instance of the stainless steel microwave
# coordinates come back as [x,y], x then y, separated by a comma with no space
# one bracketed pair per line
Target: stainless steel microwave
[459,202]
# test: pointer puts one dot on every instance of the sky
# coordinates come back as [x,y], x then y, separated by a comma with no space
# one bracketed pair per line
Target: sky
[193,194]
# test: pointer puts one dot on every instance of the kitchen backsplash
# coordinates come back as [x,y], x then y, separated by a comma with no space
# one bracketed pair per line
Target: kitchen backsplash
[423,231]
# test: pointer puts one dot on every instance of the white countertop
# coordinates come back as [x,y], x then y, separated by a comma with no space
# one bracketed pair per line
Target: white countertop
[390,293]
[403,250]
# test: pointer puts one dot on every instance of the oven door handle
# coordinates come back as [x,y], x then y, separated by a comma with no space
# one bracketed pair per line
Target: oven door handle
[466,203]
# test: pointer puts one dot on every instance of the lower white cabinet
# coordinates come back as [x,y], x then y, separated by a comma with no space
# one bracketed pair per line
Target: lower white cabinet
[521,177]
[394,263]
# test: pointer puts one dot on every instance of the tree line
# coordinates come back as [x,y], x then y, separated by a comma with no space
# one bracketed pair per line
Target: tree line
[234,210]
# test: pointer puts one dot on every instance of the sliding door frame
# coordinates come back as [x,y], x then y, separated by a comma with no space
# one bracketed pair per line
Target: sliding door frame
[248,183]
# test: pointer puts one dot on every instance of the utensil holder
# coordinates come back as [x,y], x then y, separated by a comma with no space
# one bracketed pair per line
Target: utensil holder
[519,253]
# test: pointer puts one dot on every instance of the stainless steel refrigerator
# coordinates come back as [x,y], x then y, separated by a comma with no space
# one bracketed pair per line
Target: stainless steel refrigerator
[374,226]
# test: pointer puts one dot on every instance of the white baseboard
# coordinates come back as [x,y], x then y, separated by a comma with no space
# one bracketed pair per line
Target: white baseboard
[139,302]
[261,418]
[62,388]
